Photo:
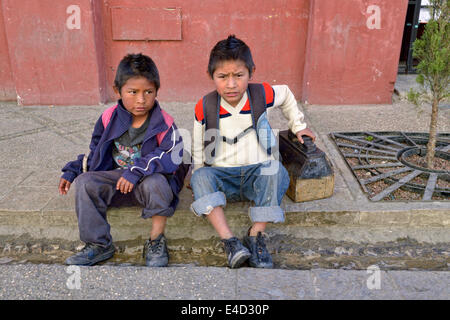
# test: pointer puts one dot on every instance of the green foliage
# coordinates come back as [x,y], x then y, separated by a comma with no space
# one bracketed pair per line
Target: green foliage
[414,96]
[420,79]
[433,52]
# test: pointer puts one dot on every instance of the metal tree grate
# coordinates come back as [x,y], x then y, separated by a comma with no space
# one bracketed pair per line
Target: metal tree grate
[387,164]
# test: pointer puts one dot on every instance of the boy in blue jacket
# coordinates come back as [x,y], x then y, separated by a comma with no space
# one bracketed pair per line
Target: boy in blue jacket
[131,161]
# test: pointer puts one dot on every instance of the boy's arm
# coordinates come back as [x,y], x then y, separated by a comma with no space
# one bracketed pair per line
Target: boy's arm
[74,168]
[164,159]
[285,99]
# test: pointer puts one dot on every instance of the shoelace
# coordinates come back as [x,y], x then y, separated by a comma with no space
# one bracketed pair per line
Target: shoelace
[260,244]
[157,247]
[153,246]
[87,247]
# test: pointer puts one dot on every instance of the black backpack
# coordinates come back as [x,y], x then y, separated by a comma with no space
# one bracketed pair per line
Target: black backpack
[211,109]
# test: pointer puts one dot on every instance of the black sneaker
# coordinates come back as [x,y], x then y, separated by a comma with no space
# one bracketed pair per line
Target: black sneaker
[237,254]
[91,254]
[155,252]
[260,256]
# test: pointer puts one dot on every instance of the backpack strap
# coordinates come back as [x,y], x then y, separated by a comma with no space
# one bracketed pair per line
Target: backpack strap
[211,108]
[107,114]
[257,98]
[169,122]
[211,105]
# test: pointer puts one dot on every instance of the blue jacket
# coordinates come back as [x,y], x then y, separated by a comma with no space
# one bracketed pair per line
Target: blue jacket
[163,157]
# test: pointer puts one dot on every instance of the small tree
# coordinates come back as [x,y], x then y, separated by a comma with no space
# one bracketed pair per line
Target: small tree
[433,52]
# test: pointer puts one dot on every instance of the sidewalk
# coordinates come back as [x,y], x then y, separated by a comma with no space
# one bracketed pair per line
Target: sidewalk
[38,141]
[38,281]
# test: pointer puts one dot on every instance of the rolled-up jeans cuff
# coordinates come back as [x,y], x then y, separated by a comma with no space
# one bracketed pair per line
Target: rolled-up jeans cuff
[207,203]
[266,214]
[158,212]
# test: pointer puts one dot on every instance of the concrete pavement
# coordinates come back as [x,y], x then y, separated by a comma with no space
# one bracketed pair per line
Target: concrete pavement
[40,281]
[346,231]
[38,141]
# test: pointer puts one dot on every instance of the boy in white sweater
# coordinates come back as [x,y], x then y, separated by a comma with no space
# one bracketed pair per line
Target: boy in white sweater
[232,150]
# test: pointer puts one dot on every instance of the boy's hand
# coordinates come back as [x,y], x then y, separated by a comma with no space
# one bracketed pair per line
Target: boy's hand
[64,186]
[305,132]
[124,185]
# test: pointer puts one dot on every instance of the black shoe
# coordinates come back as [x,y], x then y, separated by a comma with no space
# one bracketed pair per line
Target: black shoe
[237,254]
[91,254]
[156,253]
[260,256]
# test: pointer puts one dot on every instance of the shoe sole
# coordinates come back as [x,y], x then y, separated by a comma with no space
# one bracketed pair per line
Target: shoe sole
[151,264]
[161,265]
[262,265]
[239,259]
[100,258]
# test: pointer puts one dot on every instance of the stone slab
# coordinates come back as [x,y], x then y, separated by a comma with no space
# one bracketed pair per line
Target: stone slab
[27,199]
[353,285]
[112,283]
[282,284]
[186,282]
[422,285]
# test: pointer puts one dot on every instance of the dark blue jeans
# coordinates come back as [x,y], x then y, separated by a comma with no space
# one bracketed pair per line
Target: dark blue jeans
[263,183]
[95,191]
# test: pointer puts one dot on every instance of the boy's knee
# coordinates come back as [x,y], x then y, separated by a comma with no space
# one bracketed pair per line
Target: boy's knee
[154,182]
[207,203]
[83,180]
[95,183]
[201,176]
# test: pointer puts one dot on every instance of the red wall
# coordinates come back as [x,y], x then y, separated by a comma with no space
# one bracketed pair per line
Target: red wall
[347,62]
[322,49]
[7,88]
[275,30]
[51,63]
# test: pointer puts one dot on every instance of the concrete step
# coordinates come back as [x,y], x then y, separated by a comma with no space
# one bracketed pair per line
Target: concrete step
[315,234]
[57,219]
[343,231]
[309,249]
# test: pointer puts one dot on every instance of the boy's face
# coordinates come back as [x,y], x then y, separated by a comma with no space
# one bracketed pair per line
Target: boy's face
[138,95]
[231,79]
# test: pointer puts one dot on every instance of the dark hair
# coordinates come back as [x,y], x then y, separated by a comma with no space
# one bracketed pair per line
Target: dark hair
[136,65]
[231,48]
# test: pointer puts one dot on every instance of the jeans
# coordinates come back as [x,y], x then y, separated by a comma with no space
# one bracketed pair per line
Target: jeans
[95,191]
[263,183]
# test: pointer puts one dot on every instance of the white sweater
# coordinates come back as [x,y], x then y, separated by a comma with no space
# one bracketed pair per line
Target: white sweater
[234,120]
